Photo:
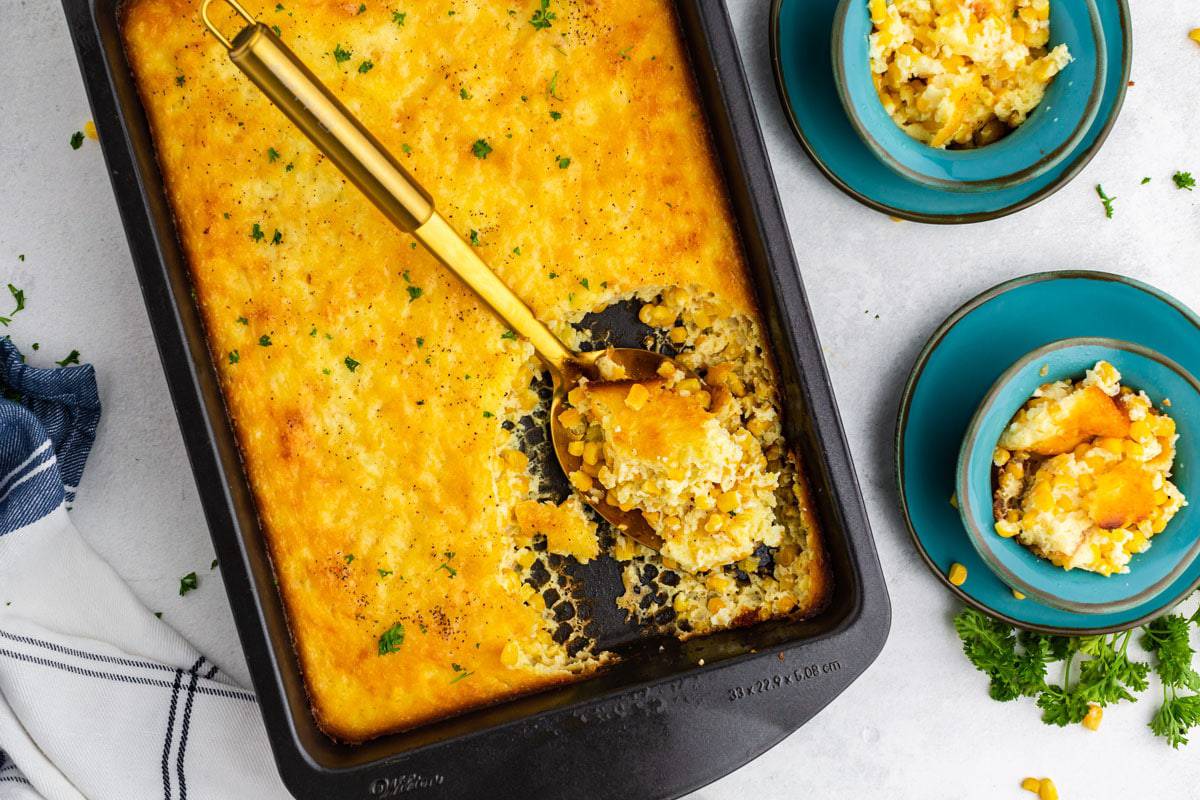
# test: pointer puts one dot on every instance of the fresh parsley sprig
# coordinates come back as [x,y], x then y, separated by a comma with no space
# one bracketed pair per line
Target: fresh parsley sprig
[1095,670]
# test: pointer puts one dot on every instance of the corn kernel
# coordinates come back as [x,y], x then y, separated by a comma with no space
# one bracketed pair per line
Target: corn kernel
[591,453]
[786,555]
[571,419]
[680,603]
[1194,35]
[510,654]
[689,385]
[704,502]
[1017,595]
[727,501]
[666,369]
[637,397]
[785,603]
[526,558]
[1082,450]
[677,335]
[646,314]
[954,500]
[757,426]
[714,523]
[664,317]
[577,396]
[958,574]
[1141,430]
[1031,785]
[1047,790]
[581,481]
[576,448]
[1007,529]
[715,604]
[1001,456]
[1111,444]
[1091,720]
[89,130]
[718,582]
[515,459]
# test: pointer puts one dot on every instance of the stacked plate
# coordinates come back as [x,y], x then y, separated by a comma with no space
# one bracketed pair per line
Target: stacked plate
[819,52]
[963,388]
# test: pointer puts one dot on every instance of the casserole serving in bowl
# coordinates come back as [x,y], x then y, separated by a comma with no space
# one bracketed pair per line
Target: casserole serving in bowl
[1107,526]
[1057,123]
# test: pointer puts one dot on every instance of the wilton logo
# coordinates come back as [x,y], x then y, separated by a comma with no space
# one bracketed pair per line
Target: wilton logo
[412,782]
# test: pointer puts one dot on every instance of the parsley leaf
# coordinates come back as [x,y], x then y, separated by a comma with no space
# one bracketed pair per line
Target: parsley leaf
[341,54]
[509,335]
[72,358]
[474,238]
[351,364]
[391,639]
[1106,200]
[366,66]
[272,155]
[264,341]
[1184,180]
[414,292]
[481,148]
[256,232]
[563,161]
[76,140]
[542,17]
[187,583]
[398,17]
[234,357]
[1175,717]
[18,296]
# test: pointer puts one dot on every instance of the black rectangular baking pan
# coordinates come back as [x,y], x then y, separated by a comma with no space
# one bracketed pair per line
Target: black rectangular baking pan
[658,724]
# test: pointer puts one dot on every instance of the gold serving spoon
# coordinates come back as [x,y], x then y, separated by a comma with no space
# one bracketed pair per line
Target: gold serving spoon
[309,104]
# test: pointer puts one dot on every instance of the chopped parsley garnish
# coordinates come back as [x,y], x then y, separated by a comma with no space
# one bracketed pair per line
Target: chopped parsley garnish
[488,415]
[349,558]
[512,335]
[272,155]
[584,283]
[1106,200]
[277,237]
[563,161]
[18,296]
[187,583]
[555,115]
[234,357]
[76,140]
[625,53]
[552,87]
[180,80]
[313,332]
[474,238]
[243,321]
[213,565]
[264,340]
[1184,180]
[553,275]
[383,573]
[462,673]
[414,292]
[517,250]
[341,54]
[391,639]
[290,166]
[72,358]
[1145,180]
[351,364]
[256,232]
[542,17]
[481,148]
[420,342]
[362,7]
[398,17]
[277,30]
[445,565]
[464,94]
[366,66]
[407,150]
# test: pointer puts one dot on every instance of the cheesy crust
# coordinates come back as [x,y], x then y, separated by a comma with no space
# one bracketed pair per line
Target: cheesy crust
[366,385]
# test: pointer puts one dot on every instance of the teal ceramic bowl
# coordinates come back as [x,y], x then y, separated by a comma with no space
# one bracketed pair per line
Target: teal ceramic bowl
[1051,132]
[1079,591]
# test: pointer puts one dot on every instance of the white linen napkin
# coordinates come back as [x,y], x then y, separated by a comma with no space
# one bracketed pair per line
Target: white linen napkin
[99,699]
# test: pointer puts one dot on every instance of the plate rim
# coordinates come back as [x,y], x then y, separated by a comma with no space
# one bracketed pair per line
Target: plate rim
[1071,172]
[931,344]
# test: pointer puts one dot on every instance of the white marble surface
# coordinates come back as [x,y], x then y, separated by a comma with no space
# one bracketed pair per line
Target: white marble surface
[919,724]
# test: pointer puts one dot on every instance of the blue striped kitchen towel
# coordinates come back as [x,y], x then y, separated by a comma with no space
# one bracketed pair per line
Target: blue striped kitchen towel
[99,699]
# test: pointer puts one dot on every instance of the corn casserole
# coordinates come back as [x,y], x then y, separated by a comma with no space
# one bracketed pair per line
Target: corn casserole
[1083,473]
[392,430]
[962,73]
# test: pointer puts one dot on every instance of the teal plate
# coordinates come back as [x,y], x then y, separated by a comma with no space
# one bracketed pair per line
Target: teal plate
[956,369]
[801,33]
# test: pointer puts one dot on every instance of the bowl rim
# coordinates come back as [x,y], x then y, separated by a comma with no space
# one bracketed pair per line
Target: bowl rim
[1038,168]
[979,539]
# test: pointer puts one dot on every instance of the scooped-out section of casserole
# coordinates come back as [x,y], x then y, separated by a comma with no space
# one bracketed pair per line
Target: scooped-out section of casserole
[393,431]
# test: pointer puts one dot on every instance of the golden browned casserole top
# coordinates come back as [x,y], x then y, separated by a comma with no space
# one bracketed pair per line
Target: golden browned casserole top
[366,384]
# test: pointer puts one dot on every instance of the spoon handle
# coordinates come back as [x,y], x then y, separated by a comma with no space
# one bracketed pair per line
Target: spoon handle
[309,104]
